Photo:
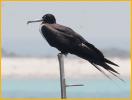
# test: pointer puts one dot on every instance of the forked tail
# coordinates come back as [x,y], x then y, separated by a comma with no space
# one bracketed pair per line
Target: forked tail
[110,62]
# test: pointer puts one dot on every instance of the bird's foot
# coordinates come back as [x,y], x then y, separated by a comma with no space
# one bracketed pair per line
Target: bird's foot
[62,53]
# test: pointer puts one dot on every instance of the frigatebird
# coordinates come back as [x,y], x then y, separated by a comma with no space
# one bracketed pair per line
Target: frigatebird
[67,41]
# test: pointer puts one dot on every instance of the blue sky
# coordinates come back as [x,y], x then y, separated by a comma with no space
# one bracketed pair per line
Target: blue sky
[106,25]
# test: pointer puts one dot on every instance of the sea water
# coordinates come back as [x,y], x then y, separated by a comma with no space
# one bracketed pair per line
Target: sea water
[39,78]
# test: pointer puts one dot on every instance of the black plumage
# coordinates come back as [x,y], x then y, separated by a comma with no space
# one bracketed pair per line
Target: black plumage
[67,41]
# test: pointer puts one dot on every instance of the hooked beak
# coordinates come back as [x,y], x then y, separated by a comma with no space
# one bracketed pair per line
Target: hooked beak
[34,21]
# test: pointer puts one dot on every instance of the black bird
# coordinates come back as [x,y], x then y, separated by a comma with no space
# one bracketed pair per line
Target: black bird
[67,41]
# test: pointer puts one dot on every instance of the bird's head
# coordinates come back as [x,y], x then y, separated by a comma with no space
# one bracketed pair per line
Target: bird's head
[47,18]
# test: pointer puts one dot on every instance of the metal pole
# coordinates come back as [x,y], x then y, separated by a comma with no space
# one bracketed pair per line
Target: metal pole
[62,75]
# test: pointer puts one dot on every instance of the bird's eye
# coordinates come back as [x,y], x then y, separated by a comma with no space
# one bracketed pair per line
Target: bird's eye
[44,17]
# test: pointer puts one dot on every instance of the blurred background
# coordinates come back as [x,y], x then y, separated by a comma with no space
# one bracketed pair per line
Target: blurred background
[30,66]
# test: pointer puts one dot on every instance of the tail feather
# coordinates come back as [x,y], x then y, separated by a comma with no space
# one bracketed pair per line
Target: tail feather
[101,71]
[110,62]
[107,67]
[111,70]
[116,76]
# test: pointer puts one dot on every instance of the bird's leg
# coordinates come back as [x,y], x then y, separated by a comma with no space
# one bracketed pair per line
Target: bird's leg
[60,53]
[64,53]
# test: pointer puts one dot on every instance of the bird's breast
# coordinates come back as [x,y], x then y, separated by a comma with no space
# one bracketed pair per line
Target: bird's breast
[49,34]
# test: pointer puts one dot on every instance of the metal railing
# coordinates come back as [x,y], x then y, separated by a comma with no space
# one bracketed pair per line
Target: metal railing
[62,77]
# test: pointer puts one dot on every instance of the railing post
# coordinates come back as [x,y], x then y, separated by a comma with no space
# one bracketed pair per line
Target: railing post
[62,75]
